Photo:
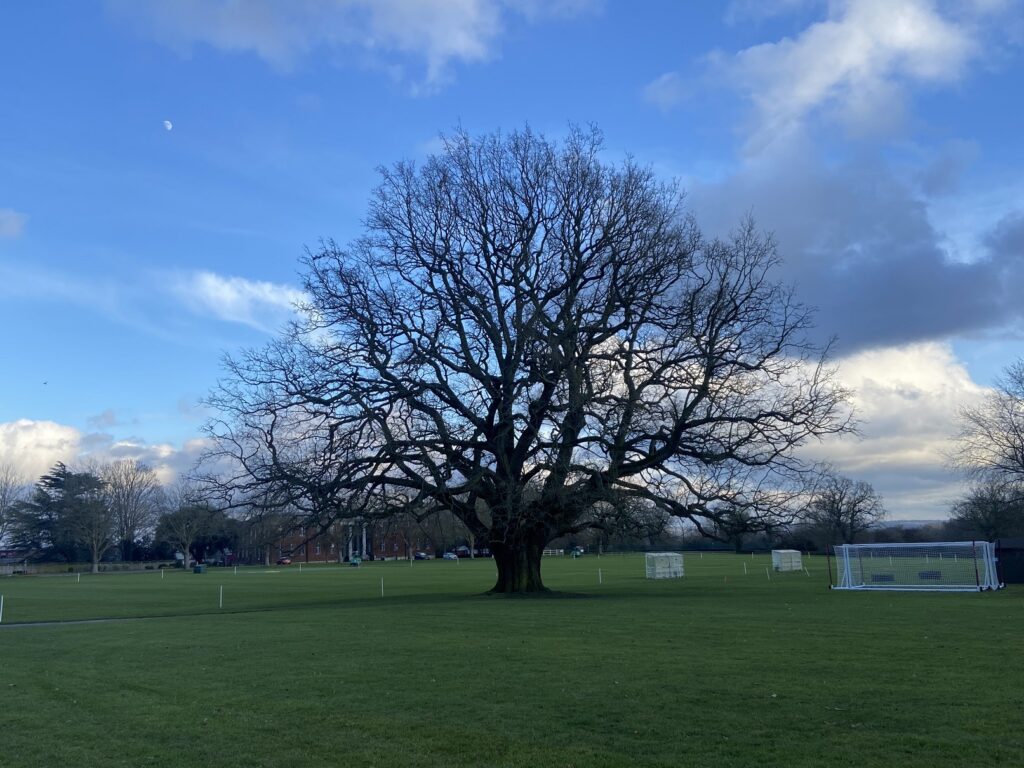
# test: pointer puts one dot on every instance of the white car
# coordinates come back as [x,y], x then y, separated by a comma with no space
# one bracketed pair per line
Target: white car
[449,556]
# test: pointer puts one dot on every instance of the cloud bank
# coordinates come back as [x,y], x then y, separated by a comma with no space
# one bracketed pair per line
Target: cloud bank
[853,65]
[860,244]
[33,447]
[908,398]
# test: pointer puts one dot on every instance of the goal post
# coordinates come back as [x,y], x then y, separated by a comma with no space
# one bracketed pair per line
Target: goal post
[945,566]
[787,560]
[664,565]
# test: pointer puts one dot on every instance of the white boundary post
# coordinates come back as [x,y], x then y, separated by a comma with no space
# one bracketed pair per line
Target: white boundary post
[1,609]
[382,586]
[221,604]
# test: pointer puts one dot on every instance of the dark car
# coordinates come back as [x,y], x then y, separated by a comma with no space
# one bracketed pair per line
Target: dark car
[284,561]
[422,556]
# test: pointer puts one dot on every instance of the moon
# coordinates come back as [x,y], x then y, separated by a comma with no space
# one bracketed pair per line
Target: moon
[168,124]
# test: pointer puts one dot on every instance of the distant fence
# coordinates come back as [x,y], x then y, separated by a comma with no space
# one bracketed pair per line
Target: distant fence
[553,552]
[34,569]
[11,570]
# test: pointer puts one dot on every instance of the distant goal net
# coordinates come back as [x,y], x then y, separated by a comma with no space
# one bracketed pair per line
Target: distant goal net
[787,560]
[949,566]
[664,565]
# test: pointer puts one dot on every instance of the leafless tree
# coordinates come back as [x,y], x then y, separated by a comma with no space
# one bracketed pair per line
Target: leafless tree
[524,336]
[990,445]
[991,510]
[13,489]
[843,509]
[134,495]
[265,527]
[187,516]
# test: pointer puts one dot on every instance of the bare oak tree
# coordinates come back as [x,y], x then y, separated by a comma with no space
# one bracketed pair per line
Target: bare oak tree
[990,445]
[186,518]
[843,509]
[528,337]
[991,510]
[133,494]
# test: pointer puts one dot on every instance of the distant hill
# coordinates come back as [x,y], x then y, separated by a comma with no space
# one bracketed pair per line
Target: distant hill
[908,523]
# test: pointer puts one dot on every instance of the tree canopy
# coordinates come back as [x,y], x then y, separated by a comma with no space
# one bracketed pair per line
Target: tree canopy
[843,509]
[65,512]
[539,343]
[991,510]
[990,445]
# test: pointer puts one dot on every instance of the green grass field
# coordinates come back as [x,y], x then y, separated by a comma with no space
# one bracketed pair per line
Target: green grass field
[317,669]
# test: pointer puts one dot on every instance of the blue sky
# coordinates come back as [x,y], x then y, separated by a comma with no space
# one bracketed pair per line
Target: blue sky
[879,140]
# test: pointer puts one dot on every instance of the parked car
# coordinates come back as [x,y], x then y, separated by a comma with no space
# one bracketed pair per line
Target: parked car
[284,561]
[449,556]
[462,551]
[422,556]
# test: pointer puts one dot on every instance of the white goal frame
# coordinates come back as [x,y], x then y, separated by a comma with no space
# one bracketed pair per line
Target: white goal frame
[664,565]
[943,566]
[787,560]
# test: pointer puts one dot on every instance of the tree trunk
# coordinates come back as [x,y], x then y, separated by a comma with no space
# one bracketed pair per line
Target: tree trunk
[518,567]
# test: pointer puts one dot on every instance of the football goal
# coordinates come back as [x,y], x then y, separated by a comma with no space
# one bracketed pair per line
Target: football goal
[948,566]
[664,565]
[787,560]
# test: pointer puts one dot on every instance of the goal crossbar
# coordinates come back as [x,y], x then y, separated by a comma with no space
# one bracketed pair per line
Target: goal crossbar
[946,566]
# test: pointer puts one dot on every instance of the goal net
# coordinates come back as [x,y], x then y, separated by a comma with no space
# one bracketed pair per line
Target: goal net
[949,566]
[787,560]
[664,565]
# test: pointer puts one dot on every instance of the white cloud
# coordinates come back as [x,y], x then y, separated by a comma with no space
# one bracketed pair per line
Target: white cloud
[908,398]
[438,32]
[32,447]
[12,223]
[852,65]
[666,91]
[262,305]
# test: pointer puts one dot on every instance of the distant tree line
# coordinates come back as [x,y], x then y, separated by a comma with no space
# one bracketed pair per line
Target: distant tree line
[119,511]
